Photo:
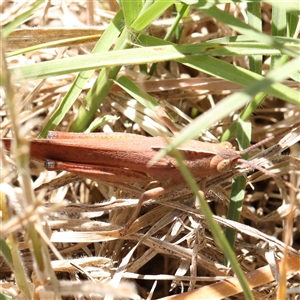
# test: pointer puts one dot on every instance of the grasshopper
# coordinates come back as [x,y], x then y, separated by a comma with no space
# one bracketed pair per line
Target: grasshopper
[118,158]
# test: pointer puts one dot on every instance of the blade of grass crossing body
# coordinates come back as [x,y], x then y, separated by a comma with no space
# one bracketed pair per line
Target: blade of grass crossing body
[104,43]
[238,184]
[218,234]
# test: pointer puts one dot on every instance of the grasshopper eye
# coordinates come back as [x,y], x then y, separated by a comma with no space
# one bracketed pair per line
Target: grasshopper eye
[224,166]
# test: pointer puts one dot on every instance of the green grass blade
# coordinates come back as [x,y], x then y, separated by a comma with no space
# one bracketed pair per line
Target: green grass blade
[243,38]
[238,184]
[235,207]
[255,65]
[136,92]
[244,115]
[242,76]
[290,6]
[135,56]
[99,91]
[292,24]
[279,23]
[20,272]
[4,297]
[182,12]
[6,252]
[245,29]
[103,45]
[100,121]
[20,19]
[183,54]
[150,14]
[226,71]
[218,234]
[254,18]
[131,10]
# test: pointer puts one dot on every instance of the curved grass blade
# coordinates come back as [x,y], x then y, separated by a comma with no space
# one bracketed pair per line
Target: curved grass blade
[105,42]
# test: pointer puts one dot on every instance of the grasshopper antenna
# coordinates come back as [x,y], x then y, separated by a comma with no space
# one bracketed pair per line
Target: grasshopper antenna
[267,172]
[268,139]
[259,168]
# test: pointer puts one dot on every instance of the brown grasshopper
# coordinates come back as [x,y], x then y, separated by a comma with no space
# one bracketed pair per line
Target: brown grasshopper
[118,158]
